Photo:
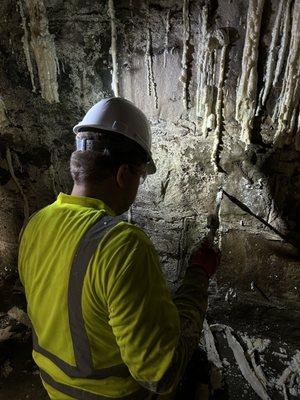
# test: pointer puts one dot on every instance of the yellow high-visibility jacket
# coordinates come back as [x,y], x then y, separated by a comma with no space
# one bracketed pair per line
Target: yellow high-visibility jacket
[104,324]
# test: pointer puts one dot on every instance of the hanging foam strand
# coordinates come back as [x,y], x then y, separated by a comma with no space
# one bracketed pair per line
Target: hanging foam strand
[199,67]
[272,57]
[284,42]
[282,53]
[151,84]
[148,63]
[186,36]
[247,88]
[43,46]
[25,42]
[113,48]
[200,58]
[223,41]
[166,38]
[288,103]
[205,75]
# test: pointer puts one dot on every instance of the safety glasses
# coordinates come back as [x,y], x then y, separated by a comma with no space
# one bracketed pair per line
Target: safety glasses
[139,169]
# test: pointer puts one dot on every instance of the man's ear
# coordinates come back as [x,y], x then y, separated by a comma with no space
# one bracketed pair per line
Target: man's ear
[122,175]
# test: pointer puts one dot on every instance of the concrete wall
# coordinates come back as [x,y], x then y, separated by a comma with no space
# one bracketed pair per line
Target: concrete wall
[219,81]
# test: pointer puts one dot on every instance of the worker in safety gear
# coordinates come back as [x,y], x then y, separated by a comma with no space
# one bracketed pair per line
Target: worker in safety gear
[104,323]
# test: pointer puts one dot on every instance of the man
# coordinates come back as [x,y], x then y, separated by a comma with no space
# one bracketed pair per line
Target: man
[104,324]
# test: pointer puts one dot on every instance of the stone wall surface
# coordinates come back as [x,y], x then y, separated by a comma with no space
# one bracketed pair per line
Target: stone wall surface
[220,83]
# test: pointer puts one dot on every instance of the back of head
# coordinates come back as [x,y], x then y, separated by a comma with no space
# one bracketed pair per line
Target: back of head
[113,132]
[103,154]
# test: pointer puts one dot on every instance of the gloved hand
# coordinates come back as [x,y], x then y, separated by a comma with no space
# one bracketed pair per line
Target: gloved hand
[207,258]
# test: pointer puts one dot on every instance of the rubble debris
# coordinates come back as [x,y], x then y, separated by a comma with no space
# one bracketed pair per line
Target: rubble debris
[20,316]
[5,334]
[243,364]
[212,352]
[6,369]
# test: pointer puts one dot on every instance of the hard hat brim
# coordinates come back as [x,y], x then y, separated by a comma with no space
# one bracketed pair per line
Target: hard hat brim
[151,167]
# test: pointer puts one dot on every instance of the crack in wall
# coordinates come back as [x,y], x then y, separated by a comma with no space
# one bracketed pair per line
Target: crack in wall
[164,185]
[13,175]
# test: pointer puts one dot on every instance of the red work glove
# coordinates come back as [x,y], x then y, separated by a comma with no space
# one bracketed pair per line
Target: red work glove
[207,258]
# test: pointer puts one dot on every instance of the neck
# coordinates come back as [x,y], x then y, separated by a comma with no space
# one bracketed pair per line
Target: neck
[104,193]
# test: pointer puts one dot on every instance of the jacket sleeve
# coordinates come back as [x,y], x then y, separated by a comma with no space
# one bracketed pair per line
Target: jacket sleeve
[152,331]
[191,297]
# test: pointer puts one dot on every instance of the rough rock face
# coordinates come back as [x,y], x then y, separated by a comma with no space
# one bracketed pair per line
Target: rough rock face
[220,82]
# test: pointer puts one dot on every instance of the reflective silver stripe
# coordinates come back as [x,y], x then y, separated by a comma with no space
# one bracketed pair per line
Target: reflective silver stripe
[68,369]
[84,395]
[83,255]
[83,358]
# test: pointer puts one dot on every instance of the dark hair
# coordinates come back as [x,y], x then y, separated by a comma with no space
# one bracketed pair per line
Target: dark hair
[110,150]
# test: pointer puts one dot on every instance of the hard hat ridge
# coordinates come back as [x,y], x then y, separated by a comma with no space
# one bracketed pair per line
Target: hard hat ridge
[119,115]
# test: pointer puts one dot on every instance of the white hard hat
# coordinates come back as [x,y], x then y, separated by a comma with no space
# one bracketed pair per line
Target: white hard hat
[119,115]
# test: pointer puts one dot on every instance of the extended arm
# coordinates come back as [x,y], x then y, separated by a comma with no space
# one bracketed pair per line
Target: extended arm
[156,335]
